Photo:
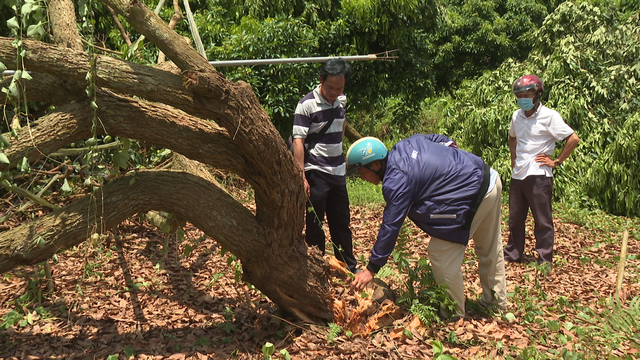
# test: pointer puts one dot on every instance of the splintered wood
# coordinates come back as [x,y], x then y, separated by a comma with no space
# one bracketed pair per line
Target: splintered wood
[360,312]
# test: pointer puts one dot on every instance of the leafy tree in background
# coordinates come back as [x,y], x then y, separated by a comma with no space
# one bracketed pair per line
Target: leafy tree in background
[439,44]
[589,59]
[274,29]
[278,86]
[478,35]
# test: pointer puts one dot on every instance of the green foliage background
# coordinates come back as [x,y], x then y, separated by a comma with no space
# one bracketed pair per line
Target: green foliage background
[457,61]
[589,59]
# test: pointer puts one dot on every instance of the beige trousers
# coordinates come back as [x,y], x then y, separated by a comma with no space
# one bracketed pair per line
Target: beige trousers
[446,257]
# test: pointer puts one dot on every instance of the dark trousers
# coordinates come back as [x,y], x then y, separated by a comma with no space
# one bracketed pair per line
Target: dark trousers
[534,192]
[329,196]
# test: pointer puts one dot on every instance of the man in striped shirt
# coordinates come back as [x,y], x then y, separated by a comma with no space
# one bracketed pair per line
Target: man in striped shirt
[323,162]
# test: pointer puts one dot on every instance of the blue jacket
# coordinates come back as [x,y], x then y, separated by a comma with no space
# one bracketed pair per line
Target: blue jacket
[432,183]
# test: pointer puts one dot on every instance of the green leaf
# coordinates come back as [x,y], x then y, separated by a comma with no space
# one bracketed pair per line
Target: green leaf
[187,250]
[65,186]
[35,31]
[562,338]
[3,67]
[437,346]
[25,75]
[447,357]
[285,354]
[4,159]
[13,23]
[24,165]
[267,350]
[6,184]
[129,351]
[13,90]
[113,357]
[120,159]
[39,240]
[4,141]
[554,325]
[27,8]
[509,316]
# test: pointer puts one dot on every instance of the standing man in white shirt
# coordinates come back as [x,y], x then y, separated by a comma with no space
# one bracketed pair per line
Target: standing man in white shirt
[533,134]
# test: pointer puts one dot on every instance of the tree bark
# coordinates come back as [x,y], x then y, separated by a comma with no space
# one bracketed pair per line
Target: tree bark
[189,197]
[270,244]
[351,133]
[156,124]
[63,23]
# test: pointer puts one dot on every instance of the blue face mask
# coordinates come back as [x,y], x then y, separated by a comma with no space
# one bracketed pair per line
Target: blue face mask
[525,104]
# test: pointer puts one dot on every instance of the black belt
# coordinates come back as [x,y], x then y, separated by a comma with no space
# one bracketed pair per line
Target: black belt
[478,199]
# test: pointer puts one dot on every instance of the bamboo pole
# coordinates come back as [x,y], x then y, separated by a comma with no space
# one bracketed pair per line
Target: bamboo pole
[623,258]
[194,29]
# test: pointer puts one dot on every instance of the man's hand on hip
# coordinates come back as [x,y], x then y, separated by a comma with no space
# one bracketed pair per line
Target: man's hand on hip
[543,159]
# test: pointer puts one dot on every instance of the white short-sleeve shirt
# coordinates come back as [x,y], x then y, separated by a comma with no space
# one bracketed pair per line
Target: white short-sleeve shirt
[535,135]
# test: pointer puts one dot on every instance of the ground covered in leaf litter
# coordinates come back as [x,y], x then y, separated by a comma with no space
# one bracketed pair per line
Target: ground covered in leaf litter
[129,295]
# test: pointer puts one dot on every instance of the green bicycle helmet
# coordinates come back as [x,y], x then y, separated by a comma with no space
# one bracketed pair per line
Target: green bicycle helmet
[363,152]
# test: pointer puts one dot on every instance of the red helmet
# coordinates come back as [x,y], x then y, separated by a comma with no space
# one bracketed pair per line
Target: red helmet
[526,83]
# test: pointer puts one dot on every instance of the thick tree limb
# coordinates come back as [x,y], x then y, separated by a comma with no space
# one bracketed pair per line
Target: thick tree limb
[192,198]
[208,207]
[154,28]
[63,23]
[49,88]
[119,76]
[157,124]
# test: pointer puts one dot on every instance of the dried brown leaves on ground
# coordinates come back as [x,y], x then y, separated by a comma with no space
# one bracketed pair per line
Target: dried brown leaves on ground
[122,297]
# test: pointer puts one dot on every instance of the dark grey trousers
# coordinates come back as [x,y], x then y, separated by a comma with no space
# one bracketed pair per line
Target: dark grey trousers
[534,192]
[329,196]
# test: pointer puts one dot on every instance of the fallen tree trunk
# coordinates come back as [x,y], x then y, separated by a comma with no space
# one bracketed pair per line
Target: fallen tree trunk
[156,124]
[243,140]
[189,197]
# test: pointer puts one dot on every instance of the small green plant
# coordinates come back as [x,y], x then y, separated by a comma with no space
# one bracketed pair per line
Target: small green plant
[617,323]
[427,298]
[229,317]
[334,331]
[129,351]
[12,318]
[438,351]
[268,349]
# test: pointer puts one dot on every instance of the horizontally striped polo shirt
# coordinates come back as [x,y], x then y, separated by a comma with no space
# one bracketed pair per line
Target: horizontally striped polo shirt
[312,113]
